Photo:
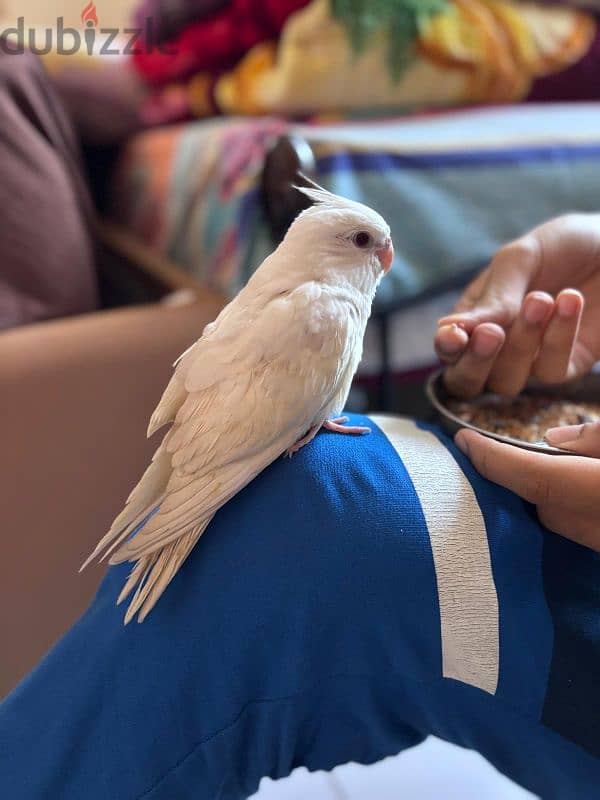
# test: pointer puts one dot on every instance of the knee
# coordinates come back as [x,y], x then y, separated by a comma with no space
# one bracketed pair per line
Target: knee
[328,554]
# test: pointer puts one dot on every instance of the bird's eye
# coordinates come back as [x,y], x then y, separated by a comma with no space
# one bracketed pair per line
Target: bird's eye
[362,239]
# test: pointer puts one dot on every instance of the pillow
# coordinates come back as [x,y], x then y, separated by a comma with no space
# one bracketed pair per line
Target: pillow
[347,603]
[300,57]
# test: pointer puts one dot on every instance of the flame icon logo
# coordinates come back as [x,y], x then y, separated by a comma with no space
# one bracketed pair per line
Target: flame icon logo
[89,16]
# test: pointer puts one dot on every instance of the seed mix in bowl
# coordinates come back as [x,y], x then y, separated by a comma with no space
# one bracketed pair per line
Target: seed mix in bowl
[526,417]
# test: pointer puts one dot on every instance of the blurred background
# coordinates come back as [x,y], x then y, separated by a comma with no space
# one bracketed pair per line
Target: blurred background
[140,189]
[39,13]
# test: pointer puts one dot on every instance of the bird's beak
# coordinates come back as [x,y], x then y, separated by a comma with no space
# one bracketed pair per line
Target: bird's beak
[385,255]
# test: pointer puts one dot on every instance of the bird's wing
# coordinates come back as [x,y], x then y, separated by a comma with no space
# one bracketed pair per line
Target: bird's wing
[248,398]
[218,344]
[225,327]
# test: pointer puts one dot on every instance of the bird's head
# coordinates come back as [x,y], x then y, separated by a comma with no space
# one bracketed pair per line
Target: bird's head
[341,239]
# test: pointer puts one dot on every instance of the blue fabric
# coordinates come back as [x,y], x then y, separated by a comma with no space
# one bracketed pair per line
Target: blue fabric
[304,629]
[572,703]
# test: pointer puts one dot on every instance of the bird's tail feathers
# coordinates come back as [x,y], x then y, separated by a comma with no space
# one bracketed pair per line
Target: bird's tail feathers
[119,532]
[141,504]
[153,573]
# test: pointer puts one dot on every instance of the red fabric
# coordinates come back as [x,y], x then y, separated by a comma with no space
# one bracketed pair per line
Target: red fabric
[216,42]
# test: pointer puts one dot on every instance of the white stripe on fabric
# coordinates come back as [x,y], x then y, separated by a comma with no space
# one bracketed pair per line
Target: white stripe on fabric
[461,556]
[504,128]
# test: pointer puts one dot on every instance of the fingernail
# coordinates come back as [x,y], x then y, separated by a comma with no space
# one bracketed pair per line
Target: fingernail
[451,346]
[485,343]
[567,433]
[535,311]
[567,305]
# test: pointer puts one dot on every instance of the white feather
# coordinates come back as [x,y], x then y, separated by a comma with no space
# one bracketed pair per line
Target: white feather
[277,361]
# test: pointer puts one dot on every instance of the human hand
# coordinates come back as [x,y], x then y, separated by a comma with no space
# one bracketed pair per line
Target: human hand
[524,315]
[564,488]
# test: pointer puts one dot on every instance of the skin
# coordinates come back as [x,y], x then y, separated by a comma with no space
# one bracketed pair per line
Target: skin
[533,313]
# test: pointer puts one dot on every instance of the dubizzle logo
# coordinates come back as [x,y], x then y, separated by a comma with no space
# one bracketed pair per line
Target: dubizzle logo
[89,19]
[67,41]
[89,16]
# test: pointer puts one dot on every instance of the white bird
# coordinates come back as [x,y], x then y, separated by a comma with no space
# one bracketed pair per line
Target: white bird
[273,368]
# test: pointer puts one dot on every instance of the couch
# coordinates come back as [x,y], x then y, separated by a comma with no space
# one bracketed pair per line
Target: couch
[76,395]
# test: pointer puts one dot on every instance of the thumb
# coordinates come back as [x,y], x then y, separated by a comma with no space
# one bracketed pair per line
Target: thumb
[498,293]
[582,439]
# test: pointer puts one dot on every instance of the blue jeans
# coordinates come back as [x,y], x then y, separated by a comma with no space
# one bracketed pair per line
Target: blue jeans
[349,602]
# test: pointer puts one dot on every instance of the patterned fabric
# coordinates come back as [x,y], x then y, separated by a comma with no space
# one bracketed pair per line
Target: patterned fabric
[587,5]
[454,187]
[451,185]
[170,16]
[404,595]
[215,42]
[353,56]
[192,192]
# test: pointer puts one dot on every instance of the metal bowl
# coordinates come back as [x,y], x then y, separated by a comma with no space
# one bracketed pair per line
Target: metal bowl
[584,389]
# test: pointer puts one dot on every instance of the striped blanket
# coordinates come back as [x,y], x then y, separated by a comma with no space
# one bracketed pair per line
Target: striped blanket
[454,186]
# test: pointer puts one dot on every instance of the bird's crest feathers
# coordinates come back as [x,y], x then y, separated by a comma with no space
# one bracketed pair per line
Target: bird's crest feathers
[321,196]
[324,200]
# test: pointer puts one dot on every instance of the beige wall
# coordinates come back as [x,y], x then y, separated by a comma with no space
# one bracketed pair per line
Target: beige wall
[111,13]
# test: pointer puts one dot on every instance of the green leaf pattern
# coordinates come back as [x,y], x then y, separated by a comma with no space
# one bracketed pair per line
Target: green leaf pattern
[400,20]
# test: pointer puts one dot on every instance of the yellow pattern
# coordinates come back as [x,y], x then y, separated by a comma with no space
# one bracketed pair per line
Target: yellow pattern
[477,51]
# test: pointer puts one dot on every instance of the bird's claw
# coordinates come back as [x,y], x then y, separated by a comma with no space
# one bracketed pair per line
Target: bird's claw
[337,425]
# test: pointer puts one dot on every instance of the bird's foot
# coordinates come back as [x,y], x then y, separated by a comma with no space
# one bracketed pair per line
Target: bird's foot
[338,425]
[301,442]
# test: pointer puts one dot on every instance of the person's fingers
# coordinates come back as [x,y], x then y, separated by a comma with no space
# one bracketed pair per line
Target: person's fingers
[567,481]
[554,358]
[580,528]
[583,439]
[468,376]
[502,288]
[450,343]
[512,368]
[564,488]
